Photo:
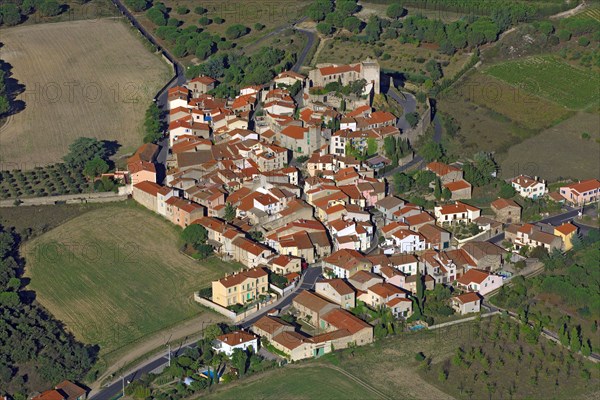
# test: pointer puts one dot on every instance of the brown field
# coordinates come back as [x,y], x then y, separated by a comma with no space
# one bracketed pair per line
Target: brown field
[82,78]
[558,152]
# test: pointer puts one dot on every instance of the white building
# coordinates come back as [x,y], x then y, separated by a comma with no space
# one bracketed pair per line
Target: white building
[235,340]
[529,187]
[457,212]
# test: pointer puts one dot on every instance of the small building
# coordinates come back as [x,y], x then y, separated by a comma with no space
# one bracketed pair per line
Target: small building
[446,173]
[240,288]
[459,189]
[66,390]
[466,303]
[312,306]
[582,192]
[284,265]
[457,212]
[363,280]
[476,280]
[506,210]
[201,85]
[269,327]
[567,231]
[529,187]
[228,342]
[337,291]
[486,255]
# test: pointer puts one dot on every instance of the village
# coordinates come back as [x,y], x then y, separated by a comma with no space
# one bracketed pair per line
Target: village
[291,181]
[287,178]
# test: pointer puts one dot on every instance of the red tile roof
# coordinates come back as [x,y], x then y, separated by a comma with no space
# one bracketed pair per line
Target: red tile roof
[440,168]
[237,337]
[458,185]
[584,186]
[567,228]
[342,319]
[148,187]
[473,275]
[339,69]
[499,204]
[469,297]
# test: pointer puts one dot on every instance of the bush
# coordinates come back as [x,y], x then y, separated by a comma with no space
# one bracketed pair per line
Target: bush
[49,8]
[236,31]
[583,41]
[325,28]
[200,10]
[419,356]
[258,26]
[564,35]
[218,20]
[204,21]
[182,10]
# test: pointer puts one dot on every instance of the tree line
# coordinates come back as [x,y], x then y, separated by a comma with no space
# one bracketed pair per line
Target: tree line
[13,12]
[34,347]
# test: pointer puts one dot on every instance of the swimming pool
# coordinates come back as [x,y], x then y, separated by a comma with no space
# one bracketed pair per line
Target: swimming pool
[417,327]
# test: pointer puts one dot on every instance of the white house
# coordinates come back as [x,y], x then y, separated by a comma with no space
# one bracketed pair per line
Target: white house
[406,263]
[235,340]
[476,280]
[529,187]
[457,212]
[404,241]
[466,303]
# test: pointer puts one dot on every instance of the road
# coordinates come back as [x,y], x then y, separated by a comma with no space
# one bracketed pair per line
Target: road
[311,37]
[308,281]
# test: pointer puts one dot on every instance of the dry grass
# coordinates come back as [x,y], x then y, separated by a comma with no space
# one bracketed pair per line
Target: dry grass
[115,275]
[82,78]
[559,151]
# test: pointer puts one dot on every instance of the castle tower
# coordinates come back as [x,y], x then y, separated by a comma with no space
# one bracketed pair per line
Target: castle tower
[371,73]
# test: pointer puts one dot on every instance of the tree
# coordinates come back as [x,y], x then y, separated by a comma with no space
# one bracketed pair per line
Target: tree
[575,342]
[236,31]
[9,14]
[446,194]
[319,9]
[230,212]
[395,11]
[325,28]
[95,167]
[156,16]
[586,349]
[371,146]
[373,28]
[353,24]
[83,150]
[402,182]
[49,8]
[194,235]
[412,119]
[437,190]
[506,190]
[431,151]
[239,359]
[210,333]
[4,105]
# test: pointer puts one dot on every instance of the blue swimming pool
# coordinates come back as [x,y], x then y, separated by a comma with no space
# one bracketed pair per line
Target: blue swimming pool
[417,327]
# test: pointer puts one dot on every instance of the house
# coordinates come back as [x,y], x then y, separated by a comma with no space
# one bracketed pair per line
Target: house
[506,210]
[241,287]
[405,263]
[459,189]
[241,340]
[201,85]
[567,231]
[296,345]
[311,306]
[345,263]
[531,236]
[301,140]
[382,294]
[410,282]
[363,280]
[446,173]
[461,259]
[182,212]
[66,390]
[269,327]
[476,280]
[466,303]
[141,164]
[146,193]
[582,192]
[250,253]
[388,206]
[435,237]
[338,291]
[284,265]
[457,212]
[288,78]
[358,332]
[439,265]
[528,187]
[404,241]
[486,255]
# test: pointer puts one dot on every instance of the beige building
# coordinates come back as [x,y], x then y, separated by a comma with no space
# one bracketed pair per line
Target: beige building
[283,265]
[146,193]
[337,291]
[466,303]
[250,253]
[506,210]
[240,288]
[368,70]
[269,327]
[311,306]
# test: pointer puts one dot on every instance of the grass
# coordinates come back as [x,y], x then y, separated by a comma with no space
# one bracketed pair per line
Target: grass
[114,275]
[552,79]
[560,151]
[89,78]
[296,383]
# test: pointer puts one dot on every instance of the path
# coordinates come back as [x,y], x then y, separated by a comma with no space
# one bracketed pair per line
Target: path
[570,12]
[102,197]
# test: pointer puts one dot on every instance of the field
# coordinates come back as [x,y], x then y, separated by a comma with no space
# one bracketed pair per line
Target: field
[389,367]
[552,79]
[557,152]
[82,78]
[114,275]
[272,14]
[297,383]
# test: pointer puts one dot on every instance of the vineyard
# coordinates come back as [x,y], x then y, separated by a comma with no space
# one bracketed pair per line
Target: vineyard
[552,79]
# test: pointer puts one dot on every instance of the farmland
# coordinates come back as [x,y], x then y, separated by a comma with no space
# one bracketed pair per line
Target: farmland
[560,151]
[114,280]
[552,79]
[82,78]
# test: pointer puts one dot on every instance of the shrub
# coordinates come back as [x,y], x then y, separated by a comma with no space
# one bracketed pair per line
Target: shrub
[583,41]
[258,26]
[200,10]
[564,35]
[218,20]
[325,28]
[204,21]
[182,10]
[419,356]
[236,31]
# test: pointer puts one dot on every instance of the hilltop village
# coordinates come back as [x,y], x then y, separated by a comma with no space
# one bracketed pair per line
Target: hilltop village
[291,176]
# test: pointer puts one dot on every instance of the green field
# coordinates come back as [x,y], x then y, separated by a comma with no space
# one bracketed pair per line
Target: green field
[297,383]
[552,79]
[115,275]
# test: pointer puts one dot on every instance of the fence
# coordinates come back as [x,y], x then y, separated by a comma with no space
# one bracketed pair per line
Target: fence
[228,313]
[283,292]
[102,197]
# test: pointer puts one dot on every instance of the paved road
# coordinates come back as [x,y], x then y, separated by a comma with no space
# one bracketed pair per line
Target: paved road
[311,37]
[309,279]
[409,105]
